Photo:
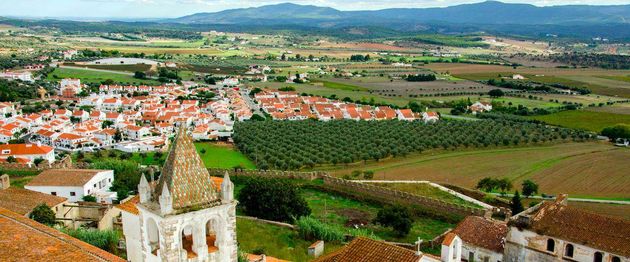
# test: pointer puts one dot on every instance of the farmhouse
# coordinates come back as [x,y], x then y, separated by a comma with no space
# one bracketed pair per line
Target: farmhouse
[73,184]
[480,107]
[483,239]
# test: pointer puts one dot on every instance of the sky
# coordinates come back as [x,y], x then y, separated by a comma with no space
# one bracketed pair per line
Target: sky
[177,8]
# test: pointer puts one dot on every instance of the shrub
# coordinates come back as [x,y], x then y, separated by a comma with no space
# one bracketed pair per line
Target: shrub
[273,199]
[310,229]
[105,239]
[398,217]
[89,198]
[43,214]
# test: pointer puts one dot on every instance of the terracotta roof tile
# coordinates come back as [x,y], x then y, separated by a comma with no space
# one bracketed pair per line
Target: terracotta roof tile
[26,149]
[605,233]
[22,201]
[26,240]
[481,232]
[367,250]
[64,177]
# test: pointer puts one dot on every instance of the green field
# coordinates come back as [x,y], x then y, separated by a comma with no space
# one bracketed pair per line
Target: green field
[222,156]
[146,159]
[590,170]
[587,120]
[341,86]
[336,209]
[123,68]
[90,76]
[275,241]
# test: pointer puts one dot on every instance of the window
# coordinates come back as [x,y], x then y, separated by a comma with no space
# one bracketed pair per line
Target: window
[551,245]
[568,250]
[6,152]
[616,259]
[53,193]
[73,194]
[599,257]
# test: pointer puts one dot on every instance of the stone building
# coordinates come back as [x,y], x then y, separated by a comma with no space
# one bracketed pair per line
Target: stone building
[554,231]
[184,216]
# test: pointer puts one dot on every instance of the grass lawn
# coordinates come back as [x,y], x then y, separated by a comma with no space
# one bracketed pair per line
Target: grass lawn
[428,191]
[89,76]
[222,156]
[336,209]
[276,241]
[588,120]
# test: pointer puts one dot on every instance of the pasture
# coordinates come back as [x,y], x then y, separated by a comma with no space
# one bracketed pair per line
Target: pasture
[222,156]
[94,76]
[591,169]
[583,119]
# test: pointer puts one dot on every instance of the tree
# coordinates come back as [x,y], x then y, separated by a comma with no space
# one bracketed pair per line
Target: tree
[414,106]
[38,161]
[398,217]
[89,198]
[515,204]
[496,93]
[202,151]
[504,185]
[487,184]
[620,131]
[273,199]
[11,159]
[126,175]
[140,75]
[529,188]
[43,214]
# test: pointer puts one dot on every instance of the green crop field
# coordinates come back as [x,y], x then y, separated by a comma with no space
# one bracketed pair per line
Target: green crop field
[587,120]
[222,156]
[591,169]
[91,76]
[276,241]
[124,68]
[341,86]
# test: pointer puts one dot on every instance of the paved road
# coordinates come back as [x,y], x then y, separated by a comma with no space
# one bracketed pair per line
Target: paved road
[250,101]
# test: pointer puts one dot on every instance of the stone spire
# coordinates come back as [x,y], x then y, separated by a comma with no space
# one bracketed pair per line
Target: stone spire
[144,190]
[227,189]
[185,177]
[166,201]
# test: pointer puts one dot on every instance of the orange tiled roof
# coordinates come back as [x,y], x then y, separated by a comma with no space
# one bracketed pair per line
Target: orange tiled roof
[363,249]
[22,201]
[24,239]
[601,232]
[481,232]
[64,177]
[26,149]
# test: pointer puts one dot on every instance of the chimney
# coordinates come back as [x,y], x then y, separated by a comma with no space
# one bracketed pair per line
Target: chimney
[4,182]
[562,199]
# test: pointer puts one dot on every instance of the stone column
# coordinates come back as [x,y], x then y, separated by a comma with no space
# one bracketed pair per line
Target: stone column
[199,240]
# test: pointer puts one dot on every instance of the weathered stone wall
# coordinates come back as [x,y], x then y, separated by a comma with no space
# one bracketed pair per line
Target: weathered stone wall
[66,162]
[350,187]
[391,195]
[268,173]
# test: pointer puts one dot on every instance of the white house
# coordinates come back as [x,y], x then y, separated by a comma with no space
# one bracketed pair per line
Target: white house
[27,152]
[483,239]
[73,184]
[479,107]
[430,117]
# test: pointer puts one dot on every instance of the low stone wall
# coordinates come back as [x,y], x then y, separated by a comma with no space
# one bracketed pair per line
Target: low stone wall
[66,162]
[343,186]
[268,173]
[390,195]
[271,222]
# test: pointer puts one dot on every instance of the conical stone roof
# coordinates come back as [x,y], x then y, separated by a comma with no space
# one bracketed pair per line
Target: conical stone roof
[186,176]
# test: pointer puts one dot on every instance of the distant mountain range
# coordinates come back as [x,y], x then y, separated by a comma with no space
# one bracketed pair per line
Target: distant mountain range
[484,13]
